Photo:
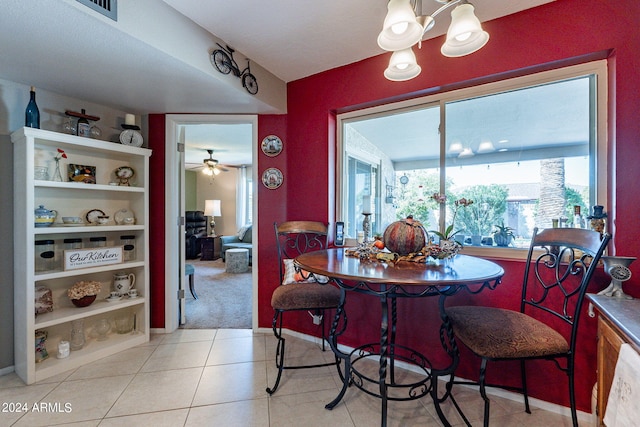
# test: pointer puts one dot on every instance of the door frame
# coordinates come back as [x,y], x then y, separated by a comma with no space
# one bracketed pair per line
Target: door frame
[174,213]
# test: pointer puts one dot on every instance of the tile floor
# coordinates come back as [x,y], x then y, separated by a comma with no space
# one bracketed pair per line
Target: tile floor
[218,378]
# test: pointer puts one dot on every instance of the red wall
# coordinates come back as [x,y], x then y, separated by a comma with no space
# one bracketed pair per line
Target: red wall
[550,36]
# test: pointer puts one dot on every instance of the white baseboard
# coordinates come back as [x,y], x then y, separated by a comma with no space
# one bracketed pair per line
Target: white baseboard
[7,370]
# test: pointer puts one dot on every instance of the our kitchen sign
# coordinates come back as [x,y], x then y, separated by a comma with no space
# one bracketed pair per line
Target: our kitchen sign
[94,257]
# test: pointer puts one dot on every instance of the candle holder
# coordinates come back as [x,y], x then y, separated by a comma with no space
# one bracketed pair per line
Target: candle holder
[366,228]
[618,268]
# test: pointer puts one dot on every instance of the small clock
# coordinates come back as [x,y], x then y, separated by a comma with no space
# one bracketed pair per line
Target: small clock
[131,137]
[124,174]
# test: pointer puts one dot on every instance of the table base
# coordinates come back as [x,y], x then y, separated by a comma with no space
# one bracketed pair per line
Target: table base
[412,388]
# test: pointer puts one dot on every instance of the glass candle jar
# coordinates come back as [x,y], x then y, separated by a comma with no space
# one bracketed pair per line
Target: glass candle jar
[45,255]
[71,244]
[97,242]
[129,247]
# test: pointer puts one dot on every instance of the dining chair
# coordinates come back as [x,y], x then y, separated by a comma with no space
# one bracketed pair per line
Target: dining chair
[299,290]
[560,264]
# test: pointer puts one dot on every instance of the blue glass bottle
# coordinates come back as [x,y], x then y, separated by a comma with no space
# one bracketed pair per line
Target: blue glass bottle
[32,114]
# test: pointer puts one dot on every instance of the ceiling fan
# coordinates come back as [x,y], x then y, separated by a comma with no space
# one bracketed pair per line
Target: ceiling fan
[210,166]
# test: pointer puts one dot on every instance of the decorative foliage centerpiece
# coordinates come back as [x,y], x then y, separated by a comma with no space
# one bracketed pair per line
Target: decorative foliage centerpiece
[83,293]
[447,247]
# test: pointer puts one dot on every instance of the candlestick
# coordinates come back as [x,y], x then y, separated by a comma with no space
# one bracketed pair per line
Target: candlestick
[366,228]
[366,204]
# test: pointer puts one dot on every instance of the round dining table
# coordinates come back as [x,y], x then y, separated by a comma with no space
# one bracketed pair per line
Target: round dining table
[388,281]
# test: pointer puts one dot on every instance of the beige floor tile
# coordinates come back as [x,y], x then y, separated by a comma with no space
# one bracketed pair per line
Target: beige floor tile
[247,413]
[189,335]
[20,399]
[158,391]
[302,380]
[178,356]
[224,334]
[366,411]
[308,409]
[156,419]
[230,383]
[86,399]
[126,362]
[237,350]
[10,380]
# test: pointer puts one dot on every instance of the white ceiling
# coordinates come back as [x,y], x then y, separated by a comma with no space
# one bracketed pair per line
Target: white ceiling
[63,47]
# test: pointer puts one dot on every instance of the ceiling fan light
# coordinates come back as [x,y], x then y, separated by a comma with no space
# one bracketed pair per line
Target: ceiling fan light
[402,66]
[215,171]
[465,34]
[400,29]
[207,171]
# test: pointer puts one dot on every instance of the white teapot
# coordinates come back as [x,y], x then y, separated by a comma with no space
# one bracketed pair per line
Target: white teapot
[123,282]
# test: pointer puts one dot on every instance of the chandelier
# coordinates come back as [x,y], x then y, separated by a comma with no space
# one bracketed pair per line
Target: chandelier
[405,25]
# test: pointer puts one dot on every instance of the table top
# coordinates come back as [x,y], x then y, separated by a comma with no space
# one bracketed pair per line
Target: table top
[461,270]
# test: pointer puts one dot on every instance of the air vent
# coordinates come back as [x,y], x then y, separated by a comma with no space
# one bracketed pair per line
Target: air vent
[108,8]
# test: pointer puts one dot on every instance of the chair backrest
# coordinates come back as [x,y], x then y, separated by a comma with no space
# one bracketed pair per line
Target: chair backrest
[560,264]
[294,238]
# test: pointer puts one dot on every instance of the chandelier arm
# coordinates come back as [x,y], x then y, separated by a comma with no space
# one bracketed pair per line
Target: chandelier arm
[447,6]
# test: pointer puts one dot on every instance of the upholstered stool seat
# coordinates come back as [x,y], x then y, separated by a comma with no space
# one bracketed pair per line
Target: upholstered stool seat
[237,260]
[189,270]
[519,336]
[299,296]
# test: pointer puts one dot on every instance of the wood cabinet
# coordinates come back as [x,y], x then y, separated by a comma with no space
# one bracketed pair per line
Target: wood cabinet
[617,324]
[210,248]
[33,147]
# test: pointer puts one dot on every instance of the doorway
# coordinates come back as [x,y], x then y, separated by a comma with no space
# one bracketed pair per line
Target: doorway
[176,127]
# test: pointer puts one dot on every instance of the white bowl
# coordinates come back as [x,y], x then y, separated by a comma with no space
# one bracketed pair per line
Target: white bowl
[72,220]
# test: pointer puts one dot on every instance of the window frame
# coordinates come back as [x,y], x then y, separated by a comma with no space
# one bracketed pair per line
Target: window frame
[597,151]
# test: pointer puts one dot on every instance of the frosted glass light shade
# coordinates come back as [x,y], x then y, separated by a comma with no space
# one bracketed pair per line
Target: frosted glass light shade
[400,29]
[212,208]
[465,34]
[402,66]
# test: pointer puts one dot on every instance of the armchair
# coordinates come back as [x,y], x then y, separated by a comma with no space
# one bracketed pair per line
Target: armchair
[195,230]
[240,240]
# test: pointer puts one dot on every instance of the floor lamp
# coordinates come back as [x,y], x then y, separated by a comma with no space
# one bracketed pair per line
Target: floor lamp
[212,209]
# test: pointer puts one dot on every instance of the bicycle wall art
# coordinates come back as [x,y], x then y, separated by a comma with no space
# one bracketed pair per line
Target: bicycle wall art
[223,60]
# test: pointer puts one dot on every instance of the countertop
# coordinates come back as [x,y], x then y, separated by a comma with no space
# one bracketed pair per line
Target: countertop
[624,314]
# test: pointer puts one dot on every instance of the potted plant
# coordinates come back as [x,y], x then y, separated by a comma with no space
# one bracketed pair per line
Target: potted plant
[503,235]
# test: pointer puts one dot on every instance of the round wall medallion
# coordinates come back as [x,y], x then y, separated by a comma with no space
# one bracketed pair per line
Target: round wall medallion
[272,178]
[271,145]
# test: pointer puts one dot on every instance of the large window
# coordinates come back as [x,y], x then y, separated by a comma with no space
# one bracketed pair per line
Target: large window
[527,151]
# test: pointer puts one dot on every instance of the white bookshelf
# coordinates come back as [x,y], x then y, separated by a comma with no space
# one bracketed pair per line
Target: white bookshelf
[31,146]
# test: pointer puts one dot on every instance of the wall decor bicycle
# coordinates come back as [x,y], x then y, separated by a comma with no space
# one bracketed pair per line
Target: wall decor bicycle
[223,60]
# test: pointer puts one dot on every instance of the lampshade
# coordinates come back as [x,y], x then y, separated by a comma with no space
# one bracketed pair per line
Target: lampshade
[400,29]
[212,208]
[402,66]
[465,34]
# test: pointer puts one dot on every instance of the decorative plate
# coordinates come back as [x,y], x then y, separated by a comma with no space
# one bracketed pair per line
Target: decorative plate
[93,214]
[271,145]
[121,215]
[272,178]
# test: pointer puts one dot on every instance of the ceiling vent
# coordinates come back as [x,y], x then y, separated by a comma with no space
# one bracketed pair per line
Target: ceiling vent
[108,8]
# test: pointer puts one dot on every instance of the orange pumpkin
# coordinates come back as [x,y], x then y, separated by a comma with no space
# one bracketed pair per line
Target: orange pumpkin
[405,236]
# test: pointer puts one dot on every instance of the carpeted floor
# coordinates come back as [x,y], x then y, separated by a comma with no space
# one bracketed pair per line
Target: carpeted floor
[224,299]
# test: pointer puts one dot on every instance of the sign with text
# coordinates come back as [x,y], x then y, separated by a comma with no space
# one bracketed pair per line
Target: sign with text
[94,257]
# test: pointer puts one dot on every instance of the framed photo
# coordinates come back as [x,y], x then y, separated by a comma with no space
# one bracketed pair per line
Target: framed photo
[81,173]
[271,145]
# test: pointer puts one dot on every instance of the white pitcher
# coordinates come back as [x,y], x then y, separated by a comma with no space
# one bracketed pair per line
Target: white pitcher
[123,282]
